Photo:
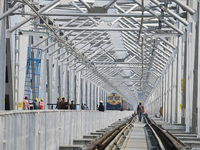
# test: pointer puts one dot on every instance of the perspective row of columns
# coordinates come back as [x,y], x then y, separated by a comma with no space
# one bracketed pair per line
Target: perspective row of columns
[178,91]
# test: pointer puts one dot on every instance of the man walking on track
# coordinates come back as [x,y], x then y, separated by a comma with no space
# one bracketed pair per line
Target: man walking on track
[140,110]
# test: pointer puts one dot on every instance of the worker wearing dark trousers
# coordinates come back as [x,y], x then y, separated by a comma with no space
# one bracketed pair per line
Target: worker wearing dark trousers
[36,104]
[140,110]
[101,107]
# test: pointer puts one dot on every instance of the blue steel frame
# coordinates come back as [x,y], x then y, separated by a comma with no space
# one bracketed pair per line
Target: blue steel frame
[32,82]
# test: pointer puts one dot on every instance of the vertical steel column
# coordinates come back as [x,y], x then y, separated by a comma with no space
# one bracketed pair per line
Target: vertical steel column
[50,67]
[103,97]
[65,80]
[43,77]
[16,70]
[151,103]
[189,78]
[78,90]
[9,103]
[92,97]
[179,81]
[48,84]
[2,56]
[106,99]
[60,80]
[72,85]
[61,84]
[190,71]
[195,79]
[161,94]
[83,91]
[55,81]
[195,90]
[179,77]
[158,98]
[88,94]
[176,88]
[167,96]
[98,95]
[184,71]
[174,99]
[95,97]
[170,94]
[164,95]
[198,86]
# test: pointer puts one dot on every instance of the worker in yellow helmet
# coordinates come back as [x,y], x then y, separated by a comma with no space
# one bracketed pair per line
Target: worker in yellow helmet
[58,106]
[41,104]
[36,104]
[140,110]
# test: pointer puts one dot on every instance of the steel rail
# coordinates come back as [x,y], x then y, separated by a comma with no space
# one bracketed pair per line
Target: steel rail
[167,140]
[108,137]
[155,135]
[119,136]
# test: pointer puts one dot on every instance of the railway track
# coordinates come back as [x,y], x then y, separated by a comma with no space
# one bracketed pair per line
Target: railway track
[115,137]
[157,138]
[163,139]
[111,138]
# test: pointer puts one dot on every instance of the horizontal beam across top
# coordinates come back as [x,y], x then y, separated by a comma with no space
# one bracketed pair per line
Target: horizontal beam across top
[33,33]
[99,29]
[135,15]
[126,80]
[163,35]
[121,63]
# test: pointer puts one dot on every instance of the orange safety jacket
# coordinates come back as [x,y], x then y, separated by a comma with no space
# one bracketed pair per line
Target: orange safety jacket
[41,105]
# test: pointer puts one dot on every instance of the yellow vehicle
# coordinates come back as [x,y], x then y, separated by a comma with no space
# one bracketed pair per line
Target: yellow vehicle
[114,102]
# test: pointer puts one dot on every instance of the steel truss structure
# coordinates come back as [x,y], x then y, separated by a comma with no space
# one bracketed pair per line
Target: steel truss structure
[117,46]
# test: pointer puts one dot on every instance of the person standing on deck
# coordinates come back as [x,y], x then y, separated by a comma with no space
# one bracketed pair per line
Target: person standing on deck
[101,107]
[26,104]
[140,110]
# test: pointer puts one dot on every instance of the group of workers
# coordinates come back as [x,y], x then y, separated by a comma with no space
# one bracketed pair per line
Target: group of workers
[99,107]
[61,104]
[84,107]
[36,104]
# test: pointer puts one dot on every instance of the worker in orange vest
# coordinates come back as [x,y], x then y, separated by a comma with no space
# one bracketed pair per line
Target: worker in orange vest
[41,104]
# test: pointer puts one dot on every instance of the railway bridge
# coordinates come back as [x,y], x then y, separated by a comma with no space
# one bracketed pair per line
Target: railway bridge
[61,58]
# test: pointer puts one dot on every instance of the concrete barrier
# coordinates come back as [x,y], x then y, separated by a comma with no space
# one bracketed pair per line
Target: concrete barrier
[46,130]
